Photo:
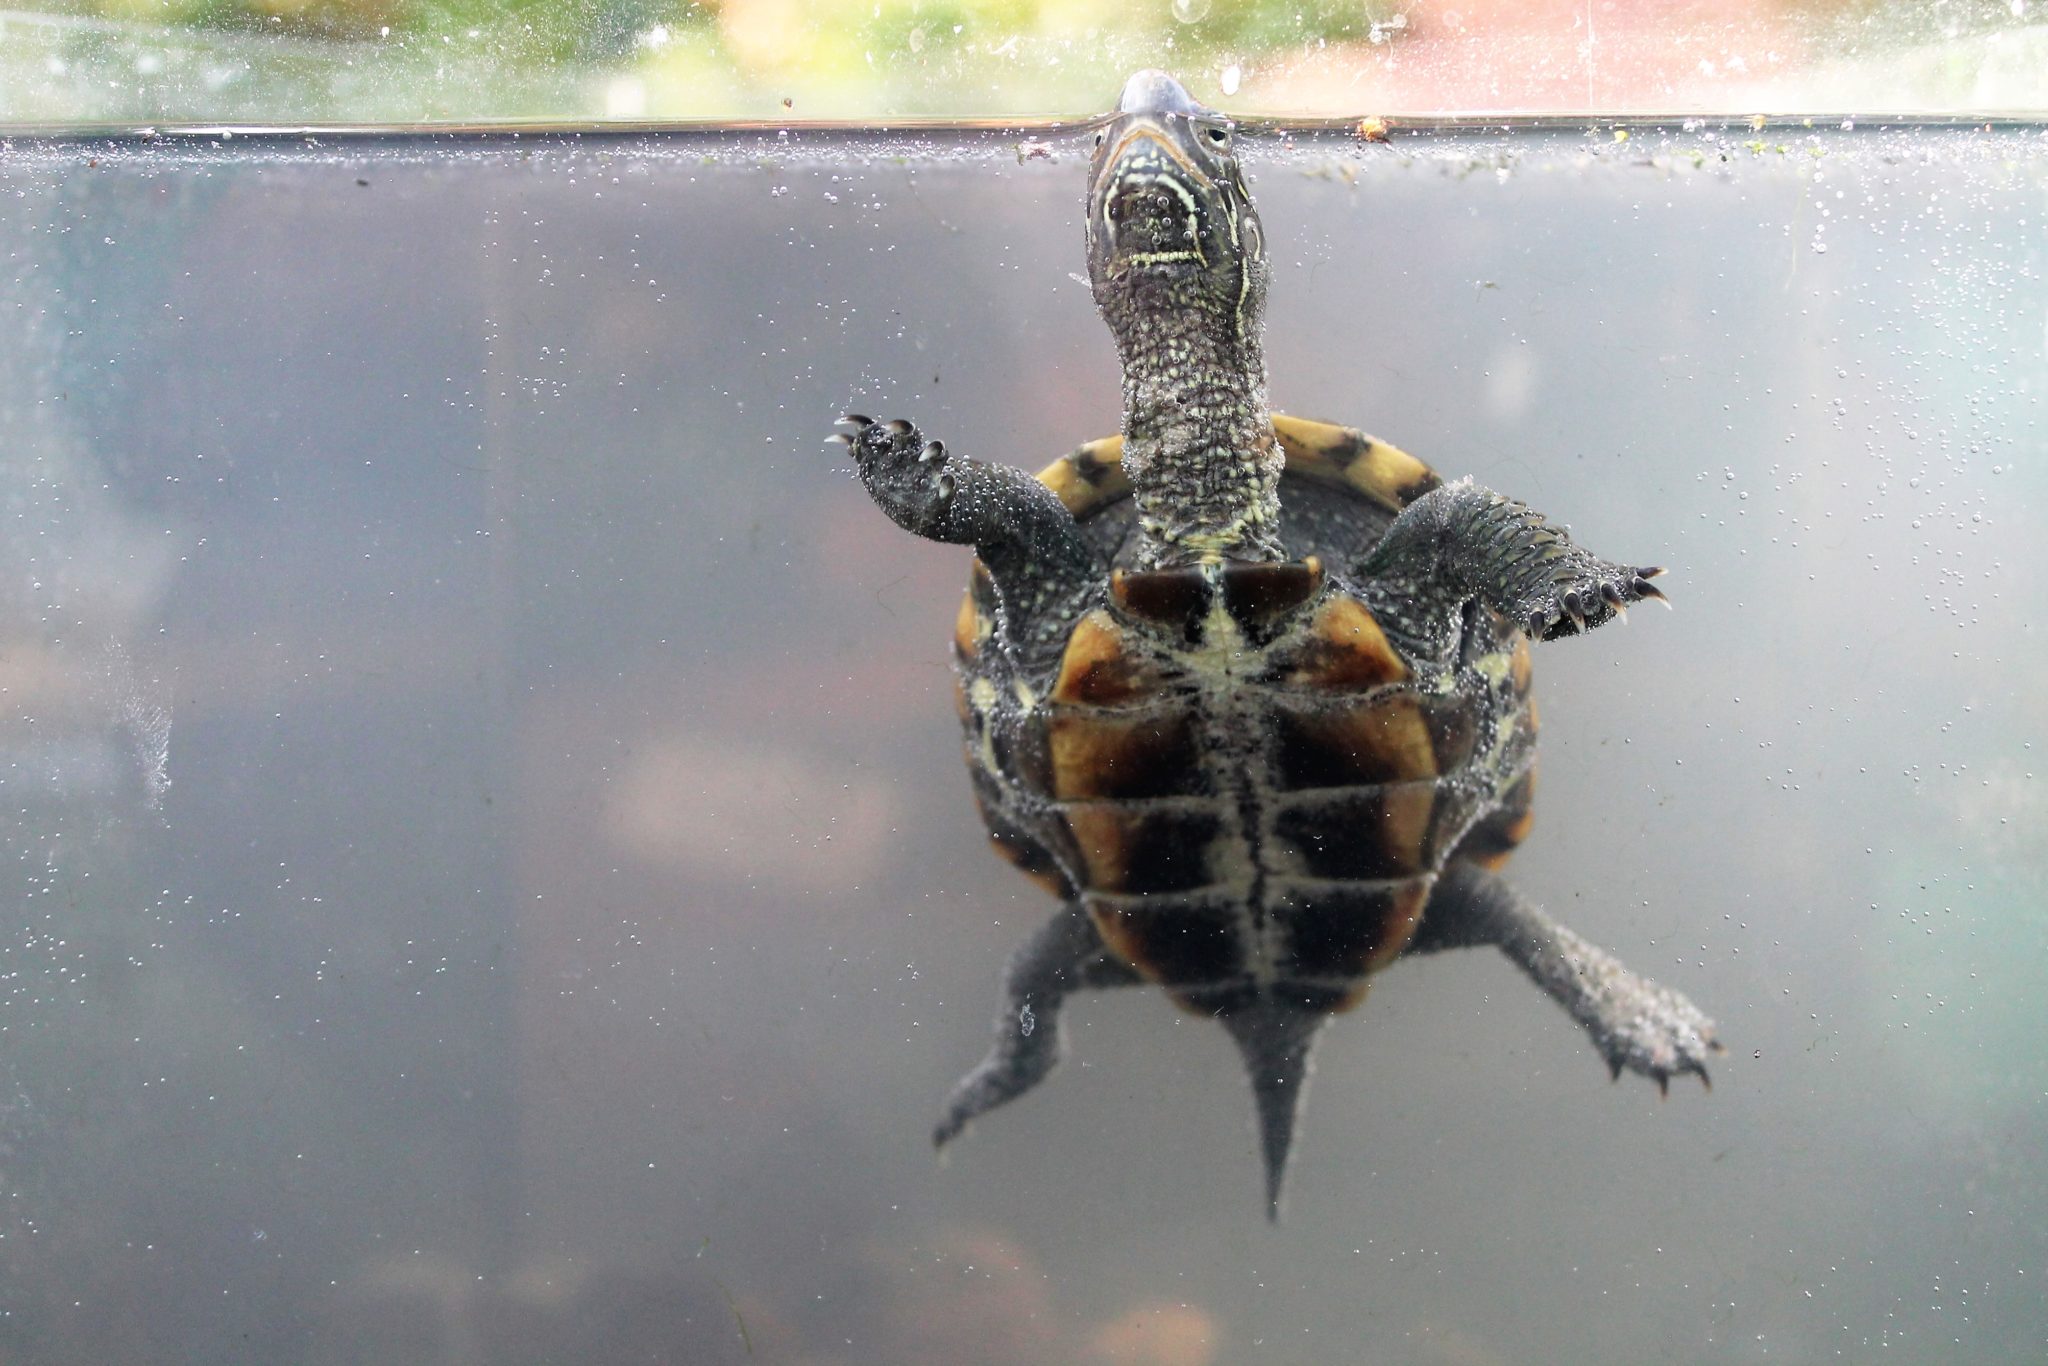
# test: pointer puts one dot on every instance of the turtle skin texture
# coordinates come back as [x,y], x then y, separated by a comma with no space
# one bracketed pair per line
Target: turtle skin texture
[1249,694]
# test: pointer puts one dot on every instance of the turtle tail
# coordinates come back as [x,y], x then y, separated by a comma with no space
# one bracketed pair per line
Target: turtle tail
[1275,1038]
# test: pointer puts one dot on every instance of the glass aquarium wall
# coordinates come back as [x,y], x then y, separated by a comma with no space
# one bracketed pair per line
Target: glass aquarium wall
[493,878]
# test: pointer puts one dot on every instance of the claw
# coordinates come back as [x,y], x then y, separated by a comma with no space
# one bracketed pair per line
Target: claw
[1649,592]
[1649,571]
[1705,1080]
[1614,1068]
[840,438]
[900,427]
[1613,598]
[1663,1086]
[857,419]
[945,489]
[934,451]
[1535,628]
[1575,609]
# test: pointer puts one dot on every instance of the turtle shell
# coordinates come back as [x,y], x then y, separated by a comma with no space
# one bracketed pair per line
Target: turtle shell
[1233,767]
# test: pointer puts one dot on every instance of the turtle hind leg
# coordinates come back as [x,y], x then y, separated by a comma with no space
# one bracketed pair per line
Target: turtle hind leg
[1045,572]
[1462,541]
[1065,955]
[1634,1022]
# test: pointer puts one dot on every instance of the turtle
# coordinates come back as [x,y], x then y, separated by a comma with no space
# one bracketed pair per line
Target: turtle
[1249,693]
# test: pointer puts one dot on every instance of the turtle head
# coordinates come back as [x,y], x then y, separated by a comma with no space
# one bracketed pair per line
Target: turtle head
[1167,203]
[1177,262]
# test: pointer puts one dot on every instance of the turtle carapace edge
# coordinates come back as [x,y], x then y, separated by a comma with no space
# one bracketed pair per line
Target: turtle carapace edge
[1249,694]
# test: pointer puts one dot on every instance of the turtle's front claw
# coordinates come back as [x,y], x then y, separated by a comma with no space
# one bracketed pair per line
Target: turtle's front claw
[905,474]
[1585,592]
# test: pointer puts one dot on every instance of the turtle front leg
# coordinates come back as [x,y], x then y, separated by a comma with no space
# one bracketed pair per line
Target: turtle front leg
[1044,571]
[1065,955]
[1462,541]
[1634,1022]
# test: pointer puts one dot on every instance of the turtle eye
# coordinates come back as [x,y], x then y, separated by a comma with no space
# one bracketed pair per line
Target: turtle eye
[1219,136]
[1098,137]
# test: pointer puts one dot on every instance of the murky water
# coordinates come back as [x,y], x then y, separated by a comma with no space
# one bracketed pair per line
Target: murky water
[493,878]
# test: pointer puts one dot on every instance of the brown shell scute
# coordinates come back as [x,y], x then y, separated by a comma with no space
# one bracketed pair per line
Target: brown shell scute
[1146,849]
[1498,833]
[1187,942]
[1100,667]
[1260,597]
[1343,649]
[1384,741]
[1173,599]
[1349,932]
[1104,755]
[1374,834]
[1022,849]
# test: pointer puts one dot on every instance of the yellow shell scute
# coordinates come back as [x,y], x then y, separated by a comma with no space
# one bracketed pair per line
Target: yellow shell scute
[1382,472]
[970,629]
[1089,477]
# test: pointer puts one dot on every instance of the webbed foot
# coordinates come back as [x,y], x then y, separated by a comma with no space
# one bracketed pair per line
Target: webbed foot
[1640,1025]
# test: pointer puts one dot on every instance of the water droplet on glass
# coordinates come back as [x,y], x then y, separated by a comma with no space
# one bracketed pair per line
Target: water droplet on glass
[1231,76]
[1190,11]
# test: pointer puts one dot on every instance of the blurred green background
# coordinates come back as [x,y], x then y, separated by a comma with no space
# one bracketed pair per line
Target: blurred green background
[298,61]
